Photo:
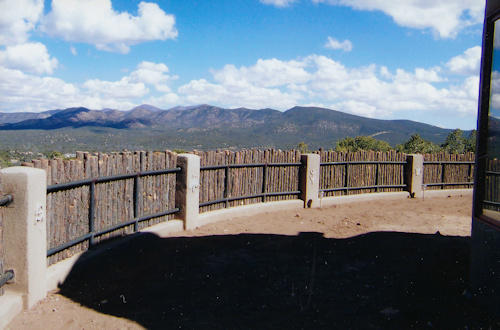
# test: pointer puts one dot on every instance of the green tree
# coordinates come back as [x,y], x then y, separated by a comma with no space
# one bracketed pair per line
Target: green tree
[4,159]
[455,142]
[53,154]
[362,143]
[470,142]
[417,145]
[303,148]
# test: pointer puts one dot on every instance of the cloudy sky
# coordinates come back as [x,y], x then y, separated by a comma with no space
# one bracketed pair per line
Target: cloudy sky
[405,59]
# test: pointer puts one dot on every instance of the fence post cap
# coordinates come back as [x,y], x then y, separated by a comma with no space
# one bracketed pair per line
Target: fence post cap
[192,156]
[310,155]
[21,169]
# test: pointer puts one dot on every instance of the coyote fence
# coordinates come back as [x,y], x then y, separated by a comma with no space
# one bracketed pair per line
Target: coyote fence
[227,179]
[223,183]
[347,173]
[448,171]
[68,210]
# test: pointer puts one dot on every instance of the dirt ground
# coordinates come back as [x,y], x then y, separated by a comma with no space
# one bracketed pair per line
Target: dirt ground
[378,264]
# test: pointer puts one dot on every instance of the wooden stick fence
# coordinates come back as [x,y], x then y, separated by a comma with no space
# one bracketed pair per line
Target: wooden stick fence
[344,173]
[68,211]
[245,181]
[8,275]
[448,171]
[222,180]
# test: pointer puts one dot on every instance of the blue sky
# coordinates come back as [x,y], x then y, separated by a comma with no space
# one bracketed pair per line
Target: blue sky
[406,59]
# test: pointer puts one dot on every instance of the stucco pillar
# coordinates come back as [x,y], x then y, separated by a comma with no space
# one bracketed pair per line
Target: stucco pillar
[309,180]
[187,189]
[25,233]
[415,174]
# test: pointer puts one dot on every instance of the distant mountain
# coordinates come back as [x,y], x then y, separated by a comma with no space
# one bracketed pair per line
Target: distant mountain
[147,107]
[238,127]
[15,117]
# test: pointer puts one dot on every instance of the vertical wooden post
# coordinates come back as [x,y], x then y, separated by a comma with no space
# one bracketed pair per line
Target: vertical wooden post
[137,194]
[226,185]
[264,181]
[346,184]
[92,213]
[442,175]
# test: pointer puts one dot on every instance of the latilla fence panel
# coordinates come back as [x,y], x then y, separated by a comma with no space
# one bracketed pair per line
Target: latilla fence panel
[349,174]
[448,171]
[226,179]
[68,210]
[247,181]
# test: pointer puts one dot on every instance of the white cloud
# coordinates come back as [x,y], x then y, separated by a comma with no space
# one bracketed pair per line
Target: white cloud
[121,89]
[20,91]
[429,75]
[202,91]
[345,45]
[370,91]
[265,73]
[164,101]
[467,63]
[153,74]
[278,3]
[358,108]
[24,92]
[29,57]
[73,50]
[446,18]
[133,86]
[17,19]
[96,22]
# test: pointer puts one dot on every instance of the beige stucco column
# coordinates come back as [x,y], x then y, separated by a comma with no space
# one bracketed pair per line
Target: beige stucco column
[187,189]
[25,237]
[415,174]
[309,180]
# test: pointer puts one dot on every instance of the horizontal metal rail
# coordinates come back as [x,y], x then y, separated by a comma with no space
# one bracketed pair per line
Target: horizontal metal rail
[220,167]
[92,235]
[376,186]
[104,179]
[492,173]
[6,200]
[491,203]
[6,277]
[363,187]
[448,184]
[440,162]
[443,184]
[261,195]
[368,162]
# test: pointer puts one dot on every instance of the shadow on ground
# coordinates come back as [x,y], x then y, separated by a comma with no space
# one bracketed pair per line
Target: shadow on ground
[377,280]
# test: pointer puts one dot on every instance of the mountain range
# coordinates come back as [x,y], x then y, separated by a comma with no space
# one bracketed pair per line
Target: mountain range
[209,126]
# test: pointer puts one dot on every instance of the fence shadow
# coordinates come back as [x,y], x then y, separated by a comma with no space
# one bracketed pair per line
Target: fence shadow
[377,280]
